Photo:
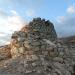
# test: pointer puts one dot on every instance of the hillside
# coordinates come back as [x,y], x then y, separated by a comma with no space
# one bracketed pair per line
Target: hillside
[68,40]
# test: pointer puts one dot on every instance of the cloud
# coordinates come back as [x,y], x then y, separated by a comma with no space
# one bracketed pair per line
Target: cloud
[13,12]
[71,9]
[2,34]
[66,26]
[11,23]
[30,13]
[14,23]
[8,25]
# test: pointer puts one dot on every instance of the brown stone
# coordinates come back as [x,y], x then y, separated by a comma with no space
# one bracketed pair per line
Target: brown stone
[5,52]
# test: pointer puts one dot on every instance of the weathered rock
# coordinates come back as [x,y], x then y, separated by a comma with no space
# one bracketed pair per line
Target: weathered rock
[31,36]
[5,52]
[58,59]
[36,51]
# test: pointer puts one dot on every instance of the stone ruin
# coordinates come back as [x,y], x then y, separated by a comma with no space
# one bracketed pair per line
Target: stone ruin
[35,51]
[32,38]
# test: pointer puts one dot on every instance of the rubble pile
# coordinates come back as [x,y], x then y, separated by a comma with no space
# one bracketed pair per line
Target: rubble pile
[5,52]
[35,50]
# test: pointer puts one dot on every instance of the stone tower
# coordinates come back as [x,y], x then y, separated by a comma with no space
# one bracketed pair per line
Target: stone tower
[32,36]
[30,42]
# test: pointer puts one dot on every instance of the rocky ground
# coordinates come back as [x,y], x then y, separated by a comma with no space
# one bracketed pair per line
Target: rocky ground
[36,50]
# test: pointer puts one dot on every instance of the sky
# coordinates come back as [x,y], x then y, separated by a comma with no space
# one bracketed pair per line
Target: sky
[14,14]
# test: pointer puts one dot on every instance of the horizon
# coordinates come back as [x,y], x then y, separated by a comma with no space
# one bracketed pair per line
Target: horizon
[14,14]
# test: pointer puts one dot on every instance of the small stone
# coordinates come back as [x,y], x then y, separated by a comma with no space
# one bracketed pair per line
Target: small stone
[28,71]
[68,73]
[34,57]
[14,52]
[36,43]
[38,71]
[54,74]
[22,50]
[58,59]
[48,74]
[34,64]
[58,71]
[61,54]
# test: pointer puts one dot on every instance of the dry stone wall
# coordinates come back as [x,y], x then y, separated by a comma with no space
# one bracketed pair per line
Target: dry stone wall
[35,50]
[37,43]
[31,37]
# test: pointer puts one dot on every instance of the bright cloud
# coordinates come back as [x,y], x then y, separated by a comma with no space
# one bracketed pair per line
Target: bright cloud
[14,23]
[71,9]
[11,23]
[14,12]
[8,25]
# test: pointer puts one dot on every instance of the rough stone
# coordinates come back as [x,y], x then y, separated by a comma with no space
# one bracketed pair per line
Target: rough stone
[5,52]
[35,49]
[58,59]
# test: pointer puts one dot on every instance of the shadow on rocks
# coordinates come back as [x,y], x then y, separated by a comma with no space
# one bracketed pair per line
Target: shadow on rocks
[73,70]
